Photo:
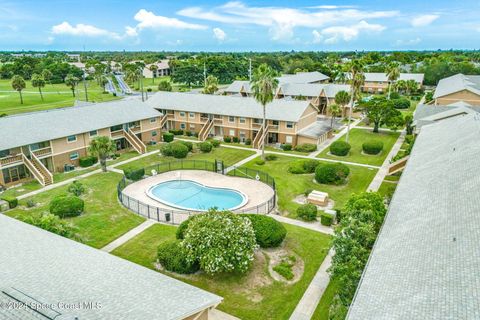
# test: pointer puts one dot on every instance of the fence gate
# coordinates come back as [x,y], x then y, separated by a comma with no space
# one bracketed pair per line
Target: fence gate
[219,166]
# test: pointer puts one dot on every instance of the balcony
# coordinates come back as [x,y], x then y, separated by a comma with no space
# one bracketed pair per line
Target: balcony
[40,153]
[117,134]
[256,125]
[218,121]
[12,159]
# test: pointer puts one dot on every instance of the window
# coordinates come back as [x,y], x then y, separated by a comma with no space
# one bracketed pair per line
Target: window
[93,133]
[275,122]
[4,153]
[231,119]
[40,145]
[182,126]
[134,124]
[192,126]
[288,139]
[74,156]
[118,127]
[242,120]
[72,138]
[152,120]
[182,114]
[191,114]
[154,133]
[232,132]
[257,121]
[289,125]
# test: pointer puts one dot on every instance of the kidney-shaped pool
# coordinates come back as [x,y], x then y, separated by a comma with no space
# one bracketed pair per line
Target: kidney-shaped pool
[191,195]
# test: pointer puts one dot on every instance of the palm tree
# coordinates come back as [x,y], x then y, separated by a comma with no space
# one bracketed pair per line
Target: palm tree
[393,73]
[102,147]
[341,77]
[334,110]
[165,85]
[357,79]
[411,86]
[47,75]
[401,85]
[211,85]
[103,82]
[18,84]
[264,85]
[154,69]
[72,82]
[38,82]
[342,98]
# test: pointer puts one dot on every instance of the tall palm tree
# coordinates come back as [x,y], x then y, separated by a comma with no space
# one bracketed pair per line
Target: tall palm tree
[334,110]
[411,86]
[342,98]
[154,69]
[393,73]
[38,82]
[264,85]
[211,85]
[72,82]
[102,147]
[47,75]
[357,79]
[18,84]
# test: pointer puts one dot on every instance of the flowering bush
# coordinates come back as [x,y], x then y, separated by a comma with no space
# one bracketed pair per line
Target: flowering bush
[220,241]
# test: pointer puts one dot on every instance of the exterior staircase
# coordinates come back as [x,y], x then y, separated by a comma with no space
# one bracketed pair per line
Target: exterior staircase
[260,138]
[136,143]
[203,134]
[38,170]
[163,121]
[398,165]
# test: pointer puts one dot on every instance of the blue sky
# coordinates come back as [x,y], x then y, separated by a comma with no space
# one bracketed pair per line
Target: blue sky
[239,25]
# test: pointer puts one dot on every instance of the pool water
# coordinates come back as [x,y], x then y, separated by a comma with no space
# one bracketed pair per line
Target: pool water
[190,195]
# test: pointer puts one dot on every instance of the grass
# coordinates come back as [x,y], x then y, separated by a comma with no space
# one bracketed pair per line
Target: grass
[321,312]
[55,96]
[104,219]
[291,185]
[387,189]
[244,296]
[22,189]
[357,138]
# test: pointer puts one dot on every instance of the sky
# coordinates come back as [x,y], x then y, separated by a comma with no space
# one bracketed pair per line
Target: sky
[213,25]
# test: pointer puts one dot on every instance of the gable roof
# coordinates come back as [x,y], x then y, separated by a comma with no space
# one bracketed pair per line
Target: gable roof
[238,86]
[456,83]
[27,128]
[312,89]
[425,262]
[278,109]
[382,77]
[303,77]
[53,269]
[427,114]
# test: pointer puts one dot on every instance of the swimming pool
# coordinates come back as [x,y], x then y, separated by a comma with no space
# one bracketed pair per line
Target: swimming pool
[191,195]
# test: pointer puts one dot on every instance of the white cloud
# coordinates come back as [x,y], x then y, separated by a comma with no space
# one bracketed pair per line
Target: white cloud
[219,34]
[130,31]
[423,20]
[346,33]
[317,36]
[409,42]
[81,29]
[148,19]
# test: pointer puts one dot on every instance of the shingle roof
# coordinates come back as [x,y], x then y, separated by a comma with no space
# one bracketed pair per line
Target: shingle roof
[237,85]
[457,83]
[382,77]
[426,260]
[427,114]
[312,89]
[28,128]
[53,269]
[278,109]
[303,77]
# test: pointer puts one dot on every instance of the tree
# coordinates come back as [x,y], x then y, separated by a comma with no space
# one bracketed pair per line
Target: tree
[18,84]
[72,82]
[38,82]
[401,85]
[103,82]
[47,75]
[408,123]
[393,73]
[264,85]
[220,241]
[211,85]
[411,86]
[380,111]
[102,147]
[165,85]
[342,98]
[357,80]
[335,111]
[154,69]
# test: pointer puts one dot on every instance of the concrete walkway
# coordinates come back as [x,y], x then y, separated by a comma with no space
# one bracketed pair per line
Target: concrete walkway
[129,235]
[315,226]
[242,162]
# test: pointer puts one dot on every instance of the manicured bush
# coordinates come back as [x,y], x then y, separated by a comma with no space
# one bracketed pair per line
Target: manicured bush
[188,133]
[269,232]
[286,147]
[215,143]
[302,166]
[372,147]
[326,219]
[307,212]
[66,206]
[12,201]
[182,228]
[177,132]
[87,161]
[134,174]
[332,173]
[271,157]
[205,146]
[306,147]
[227,139]
[235,140]
[260,162]
[340,148]
[248,142]
[401,103]
[188,144]
[172,257]
[168,137]
[76,188]
[175,149]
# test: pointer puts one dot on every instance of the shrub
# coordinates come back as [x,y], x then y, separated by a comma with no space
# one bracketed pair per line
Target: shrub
[284,268]
[394,95]
[31,203]
[286,147]
[66,206]
[87,161]
[260,162]
[188,144]
[248,142]
[235,140]
[372,147]
[326,219]
[332,173]
[401,103]
[205,146]
[188,133]
[269,232]
[227,139]
[12,201]
[215,143]
[307,212]
[220,241]
[340,148]
[134,174]
[307,192]
[76,188]
[175,149]
[306,147]
[271,157]
[168,137]
[182,228]
[302,166]
[172,257]
[177,132]
[52,223]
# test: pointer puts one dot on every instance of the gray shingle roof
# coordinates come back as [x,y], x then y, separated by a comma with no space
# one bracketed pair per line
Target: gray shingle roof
[237,85]
[278,109]
[52,269]
[457,83]
[303,77]
[312,89]
[426,260]
[28,128]
[427,114]
[382,77]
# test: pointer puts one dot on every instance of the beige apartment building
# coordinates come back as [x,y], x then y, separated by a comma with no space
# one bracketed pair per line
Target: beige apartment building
[163,69]
[377,82]
[38,144]
[459,88]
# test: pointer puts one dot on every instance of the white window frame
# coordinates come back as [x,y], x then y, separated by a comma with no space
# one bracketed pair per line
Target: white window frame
[289,139]
[152,120]
[182,114]
[182,126]
[73,135]
[289,125]
[75,155]
[93,135]
[191,126]
[191,115]
[242,120]
[230,132]
[231,119]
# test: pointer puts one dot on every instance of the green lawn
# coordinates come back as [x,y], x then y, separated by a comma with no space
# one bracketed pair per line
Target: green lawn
[230,156]
[55,96]
[104,219]
[387,189]
[321,312]
[291,185]
[22,189]
[254,295]
[357,138]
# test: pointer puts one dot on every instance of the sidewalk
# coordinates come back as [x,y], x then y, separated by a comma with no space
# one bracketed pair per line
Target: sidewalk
[127,236]
[315,226]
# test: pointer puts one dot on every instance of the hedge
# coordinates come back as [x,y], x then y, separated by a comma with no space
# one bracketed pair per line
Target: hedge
[173,258]
[269,232]
[271,157]
[182,228]
[372,147]
[168,137]
[235,140]
[332,173]
[227,139]
[87,161]
[307,212]
[12,201]
[188,144]
[340,148]
[66,206]
[401,103]
[134,174]
[175,149]
[302,166]
[177,132]
[248,142]
[205,146]
[286,147]
[215,143]
[326,219]
[306,147]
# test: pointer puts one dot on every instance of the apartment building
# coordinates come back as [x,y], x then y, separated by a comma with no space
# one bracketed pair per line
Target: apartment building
[35,145]
[163,69]
[458,88]
[242,117]
[377,82]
